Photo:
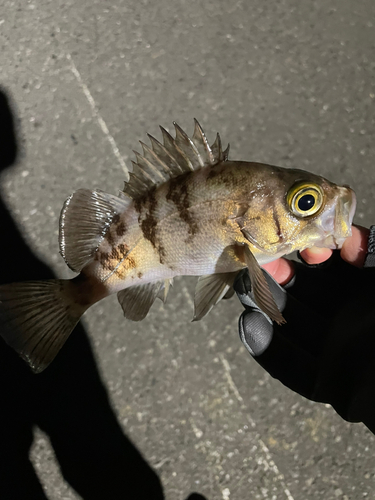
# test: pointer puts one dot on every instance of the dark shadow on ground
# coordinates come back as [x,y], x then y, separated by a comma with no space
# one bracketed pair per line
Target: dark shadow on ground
[68,401]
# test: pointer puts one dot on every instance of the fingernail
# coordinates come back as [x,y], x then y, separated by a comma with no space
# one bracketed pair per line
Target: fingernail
[316,255]
[316,250]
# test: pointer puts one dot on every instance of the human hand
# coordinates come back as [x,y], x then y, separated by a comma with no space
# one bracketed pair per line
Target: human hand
[323,351]
[354,251]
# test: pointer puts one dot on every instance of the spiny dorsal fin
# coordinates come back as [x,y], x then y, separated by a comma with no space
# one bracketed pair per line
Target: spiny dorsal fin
[202,145]
[174,157]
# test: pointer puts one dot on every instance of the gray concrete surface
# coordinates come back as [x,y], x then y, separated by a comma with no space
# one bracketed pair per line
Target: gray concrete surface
[285,82]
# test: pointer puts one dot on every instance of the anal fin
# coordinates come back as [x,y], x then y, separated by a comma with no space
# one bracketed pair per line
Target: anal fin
[136,301]
[164,290]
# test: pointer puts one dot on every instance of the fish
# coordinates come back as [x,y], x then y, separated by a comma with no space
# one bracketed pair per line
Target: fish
[185,209]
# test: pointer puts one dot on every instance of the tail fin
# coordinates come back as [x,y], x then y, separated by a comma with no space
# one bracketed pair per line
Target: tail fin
[36,318]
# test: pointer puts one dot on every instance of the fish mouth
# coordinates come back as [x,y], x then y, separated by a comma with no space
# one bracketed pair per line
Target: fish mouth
[337,223]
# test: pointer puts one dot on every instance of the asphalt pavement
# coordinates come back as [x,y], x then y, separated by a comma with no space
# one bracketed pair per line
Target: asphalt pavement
[166,407]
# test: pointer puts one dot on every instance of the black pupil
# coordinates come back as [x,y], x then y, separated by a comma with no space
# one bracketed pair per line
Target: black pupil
[306,202]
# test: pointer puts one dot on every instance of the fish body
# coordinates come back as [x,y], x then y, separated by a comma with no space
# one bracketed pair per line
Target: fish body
[190,227]
[186,210]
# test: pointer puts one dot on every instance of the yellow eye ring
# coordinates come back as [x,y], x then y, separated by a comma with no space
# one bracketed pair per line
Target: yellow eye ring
[305,199]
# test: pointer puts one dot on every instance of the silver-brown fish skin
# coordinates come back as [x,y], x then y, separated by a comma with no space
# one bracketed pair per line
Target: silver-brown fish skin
[190,227]
[186,210]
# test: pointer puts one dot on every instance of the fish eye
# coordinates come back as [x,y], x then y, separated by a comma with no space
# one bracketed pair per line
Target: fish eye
[305,199]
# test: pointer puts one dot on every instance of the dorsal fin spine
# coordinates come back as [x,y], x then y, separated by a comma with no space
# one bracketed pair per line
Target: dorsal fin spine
[188,148]
[200,139]
[164,156]
[170,145]
[150,160]
[137,174]
[174,157]
[216,147]
[138,184]
[157,163]
[226,153]
[149,170]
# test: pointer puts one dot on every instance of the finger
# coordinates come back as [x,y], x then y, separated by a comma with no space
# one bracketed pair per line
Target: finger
[316,255]
[255,332]
[354,249]
[281,270]
[354,252]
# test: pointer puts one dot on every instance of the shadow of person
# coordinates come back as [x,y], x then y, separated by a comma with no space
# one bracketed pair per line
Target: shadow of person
[68,401]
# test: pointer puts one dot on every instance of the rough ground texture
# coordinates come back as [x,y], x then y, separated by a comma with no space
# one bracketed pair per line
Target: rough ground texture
[166,407]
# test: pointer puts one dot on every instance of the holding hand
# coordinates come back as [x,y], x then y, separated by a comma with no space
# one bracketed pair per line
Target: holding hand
[326,349]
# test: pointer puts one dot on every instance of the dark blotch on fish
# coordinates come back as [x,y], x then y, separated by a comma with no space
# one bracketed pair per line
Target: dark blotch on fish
[123,270]
[123,249]
[225,178]
[130,263]
[178,193]
[148,224]
[228,180]
[115,254]
[109,237]
[105,261]
[121,229]
[214,172]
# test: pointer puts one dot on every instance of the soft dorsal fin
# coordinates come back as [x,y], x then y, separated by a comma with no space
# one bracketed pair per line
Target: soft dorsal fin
[174,157]
[84,220]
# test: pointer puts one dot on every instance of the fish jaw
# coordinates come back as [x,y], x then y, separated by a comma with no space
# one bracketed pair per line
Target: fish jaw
[336,223]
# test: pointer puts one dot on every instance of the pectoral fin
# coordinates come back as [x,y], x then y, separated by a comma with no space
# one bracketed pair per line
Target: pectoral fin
[209,291]
[262,293]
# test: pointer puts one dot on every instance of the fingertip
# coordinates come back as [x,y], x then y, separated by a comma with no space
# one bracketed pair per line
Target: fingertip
[354,249]
[316,255]
[282,270]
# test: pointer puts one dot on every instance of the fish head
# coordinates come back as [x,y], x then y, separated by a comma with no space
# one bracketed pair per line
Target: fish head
[335,221]
[297,210]
[320,211]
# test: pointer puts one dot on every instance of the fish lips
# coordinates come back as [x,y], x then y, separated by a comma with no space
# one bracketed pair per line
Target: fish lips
[336,222]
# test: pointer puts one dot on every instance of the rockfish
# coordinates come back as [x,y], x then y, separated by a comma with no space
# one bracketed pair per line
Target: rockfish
[185,210]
